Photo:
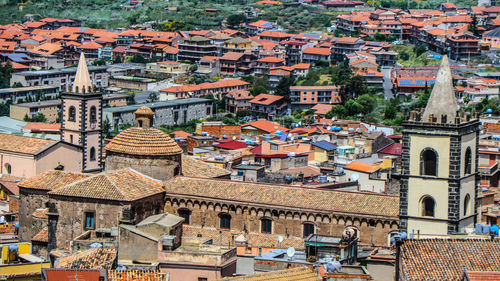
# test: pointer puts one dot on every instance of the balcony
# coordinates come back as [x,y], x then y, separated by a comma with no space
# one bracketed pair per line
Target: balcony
[488,171]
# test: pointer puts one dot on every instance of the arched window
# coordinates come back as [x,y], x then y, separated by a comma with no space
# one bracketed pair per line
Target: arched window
[466,204]
[8,168]
[72,114]
[468,161]
[92,154]
[93,114]
[186,214]
[308,229]
[225,221]
[266,225]
[428,162]
[427,206]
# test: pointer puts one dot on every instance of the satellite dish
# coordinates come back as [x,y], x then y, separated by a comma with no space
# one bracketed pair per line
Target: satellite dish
[290,252]
[234,138]
[355,177]
[280,239]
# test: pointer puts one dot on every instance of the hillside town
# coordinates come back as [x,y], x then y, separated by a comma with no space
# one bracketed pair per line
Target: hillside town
[367,149]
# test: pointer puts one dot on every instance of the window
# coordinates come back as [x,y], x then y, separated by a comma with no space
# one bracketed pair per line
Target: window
[185,213]
[202,279]
[266,225]
[468,161]
[90,220]
[225,221]
[71,138]
[92,154]
[428,162]
[72,114]
[93,114]
[427,206]
[308,229]
[8,168]
[466,204]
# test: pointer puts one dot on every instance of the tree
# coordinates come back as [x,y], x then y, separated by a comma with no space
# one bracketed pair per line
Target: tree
[260,85]
[283,87]
[340,74]
[39,117]
[152,97]
[4,109]
[419,50]
[138,59]
[352,88]
[472,27]
[5,74]
[99,62]
[367,102]
[106,127]
[117,59]
[235,20]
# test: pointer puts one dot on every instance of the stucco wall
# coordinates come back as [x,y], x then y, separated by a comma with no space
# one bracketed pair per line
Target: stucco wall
[133,246]
[162,168]
[68,156]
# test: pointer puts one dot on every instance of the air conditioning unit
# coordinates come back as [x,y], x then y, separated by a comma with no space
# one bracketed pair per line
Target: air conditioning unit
[169,241]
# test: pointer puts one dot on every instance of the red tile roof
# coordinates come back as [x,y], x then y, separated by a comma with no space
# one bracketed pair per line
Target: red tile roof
[447,259]
[322,109]
[232,56]
[393,149]
[271,59]
[23,144]
[51,180]
[143,141]
[39,126]
[362,167]
[192,167]
[231,145]
[266,99]
[369,204]
[90,46]
[42,236]
[97,258]
[121,185]
[181,134]
[266,126]
[317,51]
[482,276]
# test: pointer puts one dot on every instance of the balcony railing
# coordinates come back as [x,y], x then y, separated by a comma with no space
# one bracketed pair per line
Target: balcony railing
[488,170]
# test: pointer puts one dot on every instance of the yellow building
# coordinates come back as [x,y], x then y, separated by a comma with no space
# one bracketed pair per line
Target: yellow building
[322,149]
[439,164]
[167,67]
[237,44]
[49,108]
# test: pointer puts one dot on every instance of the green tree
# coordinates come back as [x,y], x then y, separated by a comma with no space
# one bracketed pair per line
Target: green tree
[117,59]
[5,74]
[235,20]
[138,59]
[352,88]
[367,102]
[283,87]
[106,127]
[419,50]
[4,109]
[99,62]
[472,27]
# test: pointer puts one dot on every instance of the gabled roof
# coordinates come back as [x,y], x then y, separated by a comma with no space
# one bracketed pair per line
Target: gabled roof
[322,108]
[92,45]
[325,145]
[51,180]
[232,56]
[284,195]
[271,59]
[266,126]
[393,149]
[447,259]
[96,258]
[266,99]
[317,51]
[297,274]
[24,144]
[121,185]
[362,167]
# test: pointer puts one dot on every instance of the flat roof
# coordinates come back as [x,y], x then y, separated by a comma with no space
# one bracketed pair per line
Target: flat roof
[39,103]
[58,71]
[21,89]
[132,78]
[154,105]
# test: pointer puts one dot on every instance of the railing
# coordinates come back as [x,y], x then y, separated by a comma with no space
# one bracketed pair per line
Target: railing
[488,170]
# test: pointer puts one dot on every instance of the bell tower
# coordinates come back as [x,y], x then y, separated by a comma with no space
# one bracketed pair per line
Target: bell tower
[439,164]
[81,118]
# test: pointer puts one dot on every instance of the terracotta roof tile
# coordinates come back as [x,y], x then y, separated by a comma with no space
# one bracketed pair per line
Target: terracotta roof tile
[97,258]
[296,274]
[121,185]
[136,275]
[266,99]
[271,59]
[316,199]
[181,134]
[42,236]
[51,180]
[267,126]
[482,276]
[317,51]
[231,145]
[192,167]
[322,109]
[23,144]
[393,149]
[39,126]
[233,56]
[447,259]
[41,213]
[143,141]
[362,167]
[90,46]
[10,183]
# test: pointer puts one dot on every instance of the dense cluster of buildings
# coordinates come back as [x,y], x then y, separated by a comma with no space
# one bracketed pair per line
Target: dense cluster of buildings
[103,193]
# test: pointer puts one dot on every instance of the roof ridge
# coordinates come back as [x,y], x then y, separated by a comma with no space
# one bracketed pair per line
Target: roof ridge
[106,175]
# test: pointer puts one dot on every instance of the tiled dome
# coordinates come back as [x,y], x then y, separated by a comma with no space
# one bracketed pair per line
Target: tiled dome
[142,141]
[144,110]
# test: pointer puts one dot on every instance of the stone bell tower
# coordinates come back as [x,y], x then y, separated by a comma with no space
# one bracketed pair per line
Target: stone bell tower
[439,164]
[82,118]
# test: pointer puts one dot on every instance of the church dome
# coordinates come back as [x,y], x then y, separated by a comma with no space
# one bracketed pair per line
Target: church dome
[144,110]
[143,142]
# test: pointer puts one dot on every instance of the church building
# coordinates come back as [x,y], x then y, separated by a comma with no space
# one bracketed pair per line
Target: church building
[439,164]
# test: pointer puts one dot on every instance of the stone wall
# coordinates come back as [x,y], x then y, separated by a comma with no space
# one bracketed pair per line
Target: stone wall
[286,222]
[133,246]
[162,168]
[29,201]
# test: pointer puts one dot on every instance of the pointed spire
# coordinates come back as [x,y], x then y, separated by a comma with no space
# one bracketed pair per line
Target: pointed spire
[442,100]
[82,83]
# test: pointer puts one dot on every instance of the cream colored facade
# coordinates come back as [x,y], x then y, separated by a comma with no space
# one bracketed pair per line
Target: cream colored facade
[167,67]
[19,111]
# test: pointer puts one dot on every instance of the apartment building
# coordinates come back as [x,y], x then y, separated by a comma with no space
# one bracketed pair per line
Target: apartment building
[194,48]
[306,97]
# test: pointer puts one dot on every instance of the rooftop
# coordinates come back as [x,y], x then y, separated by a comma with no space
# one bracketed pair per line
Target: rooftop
[447,259]
[192,167]
[22,144]
[293,274]
[154,105]
[283,195]
[362,167]
[266,99]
